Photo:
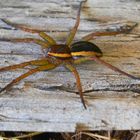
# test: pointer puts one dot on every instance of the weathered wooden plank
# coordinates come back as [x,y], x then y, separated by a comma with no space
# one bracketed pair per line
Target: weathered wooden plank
[46,101]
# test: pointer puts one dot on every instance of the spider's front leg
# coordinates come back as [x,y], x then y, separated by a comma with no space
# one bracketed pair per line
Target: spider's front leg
[24,64]
[74,29]
[42,65]
[42,43]
[22,27]
[25,28]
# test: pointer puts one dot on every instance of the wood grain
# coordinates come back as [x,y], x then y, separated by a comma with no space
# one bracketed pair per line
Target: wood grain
[47,101]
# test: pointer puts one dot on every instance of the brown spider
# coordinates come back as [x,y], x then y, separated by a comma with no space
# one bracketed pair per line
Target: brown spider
[61,54]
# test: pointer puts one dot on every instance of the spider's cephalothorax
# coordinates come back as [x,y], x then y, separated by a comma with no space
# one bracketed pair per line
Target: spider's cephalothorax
[60,51]
[58,54]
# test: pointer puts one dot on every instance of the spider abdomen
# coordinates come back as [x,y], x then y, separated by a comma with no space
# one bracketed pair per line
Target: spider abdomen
[60,51]
[85,48]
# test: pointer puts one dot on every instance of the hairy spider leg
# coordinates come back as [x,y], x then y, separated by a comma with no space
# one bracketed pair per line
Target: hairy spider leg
[93,35]
[22,27]
[78,82]
[24,64]
[98,60]
[42,43]
[47,38]
[30,72]
[81,60]
[25,28]
[74,29]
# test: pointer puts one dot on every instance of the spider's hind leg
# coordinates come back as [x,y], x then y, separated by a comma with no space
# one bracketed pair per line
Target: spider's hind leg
[78,82]
[100,61]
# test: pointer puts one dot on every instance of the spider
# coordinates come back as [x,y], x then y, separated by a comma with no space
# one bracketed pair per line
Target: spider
[66,54]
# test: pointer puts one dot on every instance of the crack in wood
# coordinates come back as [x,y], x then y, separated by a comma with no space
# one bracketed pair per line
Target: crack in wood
[118,88]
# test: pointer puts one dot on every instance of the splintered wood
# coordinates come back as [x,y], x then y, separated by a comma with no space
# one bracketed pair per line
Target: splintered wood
[47,100]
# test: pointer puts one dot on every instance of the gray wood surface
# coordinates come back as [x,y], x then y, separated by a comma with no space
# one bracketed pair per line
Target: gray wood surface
[42,102]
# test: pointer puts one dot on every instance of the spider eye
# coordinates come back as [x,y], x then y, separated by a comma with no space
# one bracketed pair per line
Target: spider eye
[85,48]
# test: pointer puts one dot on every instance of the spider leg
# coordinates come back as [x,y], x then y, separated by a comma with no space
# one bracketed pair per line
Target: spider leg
[22,27]
[24,64]
[98,60]
[78,82]
[47,38]
[74,29]
[42,43]
[93,35]
[25,28]
[30,72]
[81,60]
